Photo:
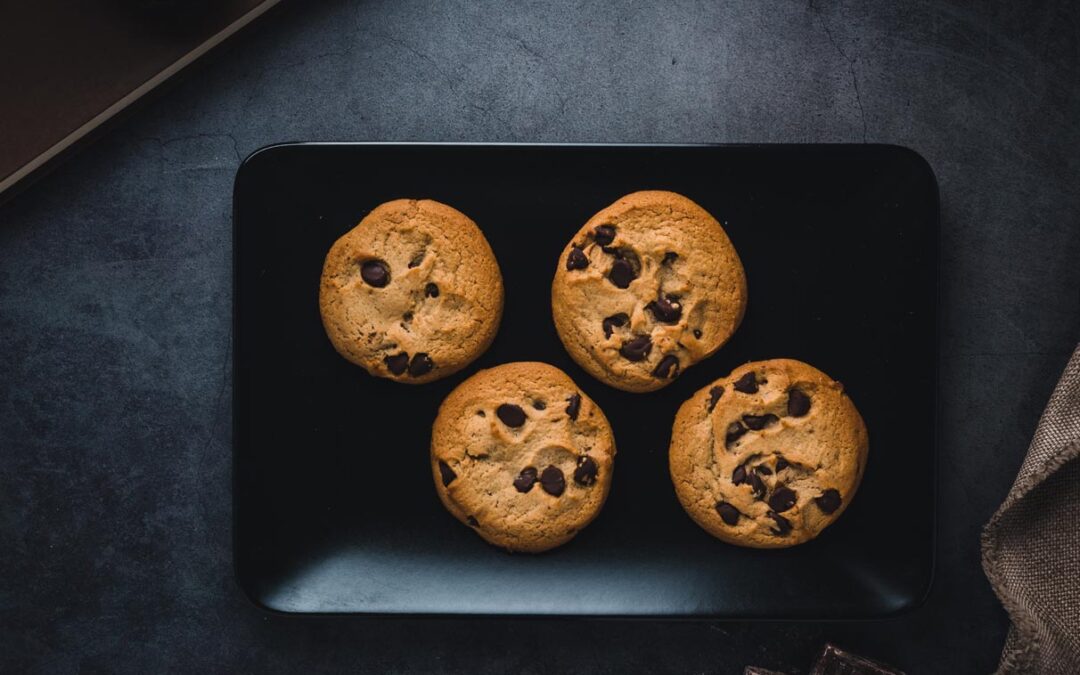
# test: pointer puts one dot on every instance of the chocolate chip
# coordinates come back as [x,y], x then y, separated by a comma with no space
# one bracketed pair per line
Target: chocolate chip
[637,349]
[585,473]
[714,395]
[525,480]
[552,481]
[473,522]
[416,260]
[757,486]
[375,273]
[421,364]
[728,513]
[763,470]
[604,234]
[511,415]
[397,363]
[783,525]
[782,499]
[666,310]
[781,463]
[735,431]
[738,476]
[759,422]
[612,322]
[539,405]
[697,333]
[447,473]
[747,384]
[670,257]
[573,406]
[577,260]
[622,273]
[431,290]
[668,366]
[798,403]
[407,317]
[829,501]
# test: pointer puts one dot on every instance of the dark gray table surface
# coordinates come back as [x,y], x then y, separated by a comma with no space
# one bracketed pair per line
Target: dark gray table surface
[115,292]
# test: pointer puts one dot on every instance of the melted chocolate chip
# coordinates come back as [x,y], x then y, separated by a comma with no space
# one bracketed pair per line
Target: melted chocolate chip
[763,470]
[416,260]
[735,431]
[714,395]
[604,234]
[798,403]
[781,463]
[375,273]
[759,422]
[431,291]
[552,481]
[539,405]
[669,258]
[573,406]
[668,367]
[511,415]
[728,513]
[782,499]
[622,273]
[738,476]
[612,322]
[446,473]
[577,260]
[637,349]
[757,486]
[747,384]
[397,363]
[829,501]
[585,473]
[665,309]
[697,333]
[783,525]
[526,479]
[421,364]
[473,522]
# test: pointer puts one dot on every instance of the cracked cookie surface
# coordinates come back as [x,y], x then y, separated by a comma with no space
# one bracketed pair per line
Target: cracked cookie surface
[522,456]
[412,293]
[648,287]
[769,456]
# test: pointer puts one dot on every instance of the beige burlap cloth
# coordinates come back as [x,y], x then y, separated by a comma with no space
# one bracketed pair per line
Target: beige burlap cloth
[1031,546]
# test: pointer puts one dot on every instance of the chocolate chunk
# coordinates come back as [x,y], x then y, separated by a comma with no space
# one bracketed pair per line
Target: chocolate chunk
[782,499]
[421,364]
[798,403]
[552,481]
[406,317]
[539,405]
[604,234]
[473,522]
[622,273]
[375,273]
[447,473]
[397,363]
[738,476]
[585,473]
[612,322]
[525,479]
[637,349]
[697,333]
[757,486]
[829,501]
[670,257]
[763,470]
[759,422]
[728,513]
[665,309]
[747,384]
[573,406]
[416,260]
[783,525]
[668,366]
[511,415]
[431,291]
[714,395]
[735,431]
[577,260]
[781,463]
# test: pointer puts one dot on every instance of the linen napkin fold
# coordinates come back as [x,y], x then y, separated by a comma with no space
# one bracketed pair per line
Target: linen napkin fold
[1031,546]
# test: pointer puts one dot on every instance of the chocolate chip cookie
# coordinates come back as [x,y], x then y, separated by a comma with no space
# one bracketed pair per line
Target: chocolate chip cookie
[522,456]
[768,456]
[647,288]
[412,293]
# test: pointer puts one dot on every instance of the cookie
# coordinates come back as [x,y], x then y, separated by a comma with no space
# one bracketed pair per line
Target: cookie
[413,293]
[648,287]
[522,456]
[768,456]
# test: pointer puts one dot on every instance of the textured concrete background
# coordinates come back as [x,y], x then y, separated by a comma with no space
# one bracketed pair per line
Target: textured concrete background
[115,300]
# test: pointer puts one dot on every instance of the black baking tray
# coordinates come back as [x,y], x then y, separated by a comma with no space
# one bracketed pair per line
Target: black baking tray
[334,507]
